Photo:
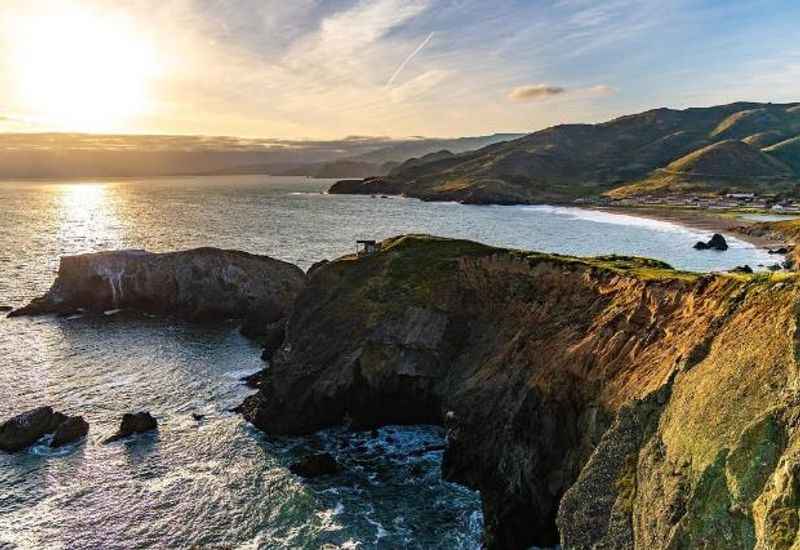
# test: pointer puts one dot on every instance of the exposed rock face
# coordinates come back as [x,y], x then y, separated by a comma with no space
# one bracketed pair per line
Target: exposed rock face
[200,284]
[717,242]
[134,423]
[24,430]
[315,466]
[607,402]
[71,430]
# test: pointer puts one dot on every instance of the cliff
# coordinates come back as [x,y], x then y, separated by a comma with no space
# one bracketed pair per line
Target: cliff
[603,403]
[571,161]
[200,284]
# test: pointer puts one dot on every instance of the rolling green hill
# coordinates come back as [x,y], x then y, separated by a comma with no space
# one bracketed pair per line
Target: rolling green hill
[672,151]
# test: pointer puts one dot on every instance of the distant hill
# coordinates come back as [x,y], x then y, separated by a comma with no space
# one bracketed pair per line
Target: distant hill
[401,152]
[721,165]
[663,150]
[68,155]
[787,151]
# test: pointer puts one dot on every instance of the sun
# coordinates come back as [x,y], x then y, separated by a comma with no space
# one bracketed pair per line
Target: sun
[81,70]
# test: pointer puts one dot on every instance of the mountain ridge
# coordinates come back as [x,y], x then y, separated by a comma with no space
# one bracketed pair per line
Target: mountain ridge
[577,161]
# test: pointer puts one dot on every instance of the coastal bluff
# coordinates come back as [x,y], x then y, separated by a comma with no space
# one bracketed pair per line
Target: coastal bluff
[607,402]
[203,284]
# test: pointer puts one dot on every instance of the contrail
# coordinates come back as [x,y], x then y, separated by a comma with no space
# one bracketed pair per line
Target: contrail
[408,59]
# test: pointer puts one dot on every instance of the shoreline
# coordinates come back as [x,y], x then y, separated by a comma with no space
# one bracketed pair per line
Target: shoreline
[697,219]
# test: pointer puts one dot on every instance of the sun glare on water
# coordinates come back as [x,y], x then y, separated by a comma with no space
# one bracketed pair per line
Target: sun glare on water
[82,71]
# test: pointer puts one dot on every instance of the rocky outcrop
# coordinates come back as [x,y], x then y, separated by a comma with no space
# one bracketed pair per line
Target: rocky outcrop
[71,430]
[200,284]
[134,423]
[608,402]
[367,186]
[717,242]
[24,430]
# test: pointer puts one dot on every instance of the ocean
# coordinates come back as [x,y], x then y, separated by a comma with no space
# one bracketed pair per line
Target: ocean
[219,482]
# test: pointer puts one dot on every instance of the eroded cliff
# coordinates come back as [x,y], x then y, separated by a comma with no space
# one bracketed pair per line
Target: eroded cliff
[606,403]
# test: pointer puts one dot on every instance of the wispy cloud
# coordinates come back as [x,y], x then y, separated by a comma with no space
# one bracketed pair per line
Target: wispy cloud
[325,69]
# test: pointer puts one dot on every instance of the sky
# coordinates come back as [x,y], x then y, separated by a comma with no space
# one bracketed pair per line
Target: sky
[327,69]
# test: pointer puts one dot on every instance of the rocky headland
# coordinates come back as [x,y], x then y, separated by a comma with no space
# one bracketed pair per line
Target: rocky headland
[607,402]
[204,284]
[600,403]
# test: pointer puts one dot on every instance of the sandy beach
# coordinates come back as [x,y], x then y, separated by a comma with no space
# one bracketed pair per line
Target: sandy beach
[706,220]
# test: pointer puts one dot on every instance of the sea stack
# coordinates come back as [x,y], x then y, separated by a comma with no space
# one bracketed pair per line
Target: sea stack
[203,284]
[717,242]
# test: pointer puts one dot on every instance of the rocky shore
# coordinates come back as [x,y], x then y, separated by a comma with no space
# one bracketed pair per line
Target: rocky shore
[608,402]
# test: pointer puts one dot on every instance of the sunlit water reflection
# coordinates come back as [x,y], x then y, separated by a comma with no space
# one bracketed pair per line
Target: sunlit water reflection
[218,481]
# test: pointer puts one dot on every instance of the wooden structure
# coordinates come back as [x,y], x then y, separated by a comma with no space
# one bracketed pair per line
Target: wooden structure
[367,247]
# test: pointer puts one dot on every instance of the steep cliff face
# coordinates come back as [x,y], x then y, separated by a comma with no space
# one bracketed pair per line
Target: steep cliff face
[606,401]
[200,284]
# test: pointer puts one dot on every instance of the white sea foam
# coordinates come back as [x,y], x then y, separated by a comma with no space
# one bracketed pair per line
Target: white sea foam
[599,216]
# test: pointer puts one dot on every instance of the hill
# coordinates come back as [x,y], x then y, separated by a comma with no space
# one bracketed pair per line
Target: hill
[788,151]
[63,155]
[567,162]
[718,166]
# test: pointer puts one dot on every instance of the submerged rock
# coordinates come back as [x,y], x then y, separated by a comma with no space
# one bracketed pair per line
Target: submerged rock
[25,429]
[71,430]
[135,423]
[200,284]
[717,242]
[779,250]
[4,309]
[315,466]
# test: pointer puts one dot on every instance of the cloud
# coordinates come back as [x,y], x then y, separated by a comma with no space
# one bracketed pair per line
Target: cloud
[599,90]
[539,92]
[419,85]
[535,92]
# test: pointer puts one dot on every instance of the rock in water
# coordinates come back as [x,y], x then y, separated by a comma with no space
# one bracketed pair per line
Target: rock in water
[25,429]
[140,422]
[717,242]
[743,269]
[72,429]
[200,284]
[315,466]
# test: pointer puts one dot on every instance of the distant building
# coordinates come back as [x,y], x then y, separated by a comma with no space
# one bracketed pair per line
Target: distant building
[367,247]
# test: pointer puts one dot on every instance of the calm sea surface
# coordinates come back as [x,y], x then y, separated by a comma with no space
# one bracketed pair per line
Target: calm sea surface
[219,482]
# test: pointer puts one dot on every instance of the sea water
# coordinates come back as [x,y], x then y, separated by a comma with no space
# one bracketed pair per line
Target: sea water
[218,481]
